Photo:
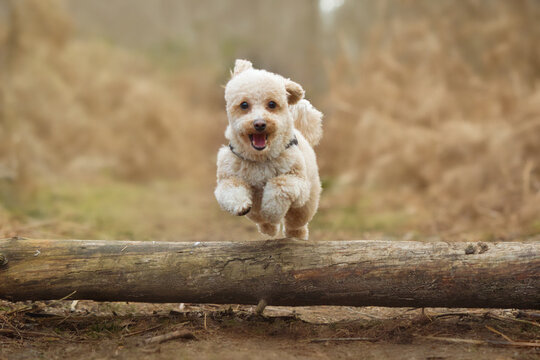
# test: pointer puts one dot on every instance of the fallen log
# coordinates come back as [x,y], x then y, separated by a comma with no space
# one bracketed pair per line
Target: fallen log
[282,272]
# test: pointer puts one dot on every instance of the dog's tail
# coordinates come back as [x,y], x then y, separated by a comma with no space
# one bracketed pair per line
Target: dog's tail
[308,121]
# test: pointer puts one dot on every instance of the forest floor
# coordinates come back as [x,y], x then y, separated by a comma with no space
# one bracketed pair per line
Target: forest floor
[90,330]
[176,211]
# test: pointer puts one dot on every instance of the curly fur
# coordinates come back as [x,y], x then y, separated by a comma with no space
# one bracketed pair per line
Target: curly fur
[279,184]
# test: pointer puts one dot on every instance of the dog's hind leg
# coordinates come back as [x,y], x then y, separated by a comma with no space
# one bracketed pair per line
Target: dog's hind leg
[268,229]
[296,222]
[297,218]
[254,215]
[300,233]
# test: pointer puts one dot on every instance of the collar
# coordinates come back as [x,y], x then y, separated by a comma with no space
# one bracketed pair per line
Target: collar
[294,141]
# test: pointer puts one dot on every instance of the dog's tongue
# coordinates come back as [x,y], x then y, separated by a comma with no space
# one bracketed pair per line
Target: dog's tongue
[259,140]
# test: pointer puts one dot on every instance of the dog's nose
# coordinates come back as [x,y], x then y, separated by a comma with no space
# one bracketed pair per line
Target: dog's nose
[259,125]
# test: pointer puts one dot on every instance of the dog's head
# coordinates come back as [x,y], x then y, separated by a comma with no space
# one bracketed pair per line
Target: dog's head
[260,124]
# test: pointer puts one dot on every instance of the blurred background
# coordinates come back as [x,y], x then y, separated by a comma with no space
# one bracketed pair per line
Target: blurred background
[112,112]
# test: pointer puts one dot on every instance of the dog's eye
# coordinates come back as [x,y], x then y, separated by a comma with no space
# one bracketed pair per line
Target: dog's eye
[244,105]
[272,104]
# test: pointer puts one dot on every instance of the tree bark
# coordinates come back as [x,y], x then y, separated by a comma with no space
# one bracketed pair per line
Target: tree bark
[282,272]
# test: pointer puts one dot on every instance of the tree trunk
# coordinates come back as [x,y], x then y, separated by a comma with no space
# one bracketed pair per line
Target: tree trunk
[283,272]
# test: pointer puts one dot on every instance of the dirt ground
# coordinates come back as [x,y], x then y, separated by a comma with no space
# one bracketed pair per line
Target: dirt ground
[90,330]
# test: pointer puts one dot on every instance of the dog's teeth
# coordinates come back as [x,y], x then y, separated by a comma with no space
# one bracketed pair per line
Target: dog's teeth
[259,140]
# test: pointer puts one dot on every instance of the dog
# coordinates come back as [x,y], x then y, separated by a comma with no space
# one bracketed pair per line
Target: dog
[269,171]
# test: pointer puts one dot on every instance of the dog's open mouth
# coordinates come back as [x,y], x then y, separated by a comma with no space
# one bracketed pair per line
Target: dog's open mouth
[258,140]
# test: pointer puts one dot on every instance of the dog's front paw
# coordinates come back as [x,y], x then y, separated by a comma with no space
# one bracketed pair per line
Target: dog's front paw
[235,200]
[239,205]
[241,211]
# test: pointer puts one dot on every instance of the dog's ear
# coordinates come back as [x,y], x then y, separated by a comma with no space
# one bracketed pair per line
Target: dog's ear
[241,66]
[295,93]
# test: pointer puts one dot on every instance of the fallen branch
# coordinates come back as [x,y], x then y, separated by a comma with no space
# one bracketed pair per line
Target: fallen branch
[143,331]
[22,333]
[482,342]
[531,315]
[462,313]
[342,339]
[178,334]
[499,333]
[512,319]
[282,272]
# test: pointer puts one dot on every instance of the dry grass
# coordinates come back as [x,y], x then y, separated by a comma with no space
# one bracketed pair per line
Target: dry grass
[78,108]
[433,129]
[442,113]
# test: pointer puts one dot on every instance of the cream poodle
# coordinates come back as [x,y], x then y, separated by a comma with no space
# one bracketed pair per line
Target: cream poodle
[269,170]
